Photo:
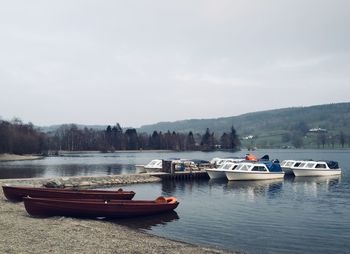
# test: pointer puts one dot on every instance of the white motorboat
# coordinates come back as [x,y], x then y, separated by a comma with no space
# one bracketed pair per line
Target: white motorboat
[287,165]
[255,171]
[216,173]
[316,168]
[217,162]
[154,166]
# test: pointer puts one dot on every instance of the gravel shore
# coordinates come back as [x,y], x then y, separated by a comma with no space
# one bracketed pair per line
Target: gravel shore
[21,233]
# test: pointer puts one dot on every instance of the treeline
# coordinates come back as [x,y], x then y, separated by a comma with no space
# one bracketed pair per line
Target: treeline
[19,138]
[71,138]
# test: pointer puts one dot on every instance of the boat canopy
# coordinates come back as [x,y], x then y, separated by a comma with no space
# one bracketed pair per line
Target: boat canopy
[273,167]
[265,158]
[332,164]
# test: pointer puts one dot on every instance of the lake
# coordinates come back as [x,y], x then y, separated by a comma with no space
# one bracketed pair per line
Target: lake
[292,215]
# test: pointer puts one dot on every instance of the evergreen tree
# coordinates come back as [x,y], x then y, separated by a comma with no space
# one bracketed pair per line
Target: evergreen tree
[190,142]
[234,140]
[225,141]
[208,141]
[132,139]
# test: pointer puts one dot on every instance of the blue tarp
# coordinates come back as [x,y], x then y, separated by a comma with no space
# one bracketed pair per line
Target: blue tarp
[273,167]
[332,164]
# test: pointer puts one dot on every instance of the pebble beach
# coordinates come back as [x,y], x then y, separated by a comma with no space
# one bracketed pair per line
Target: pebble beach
[21,233]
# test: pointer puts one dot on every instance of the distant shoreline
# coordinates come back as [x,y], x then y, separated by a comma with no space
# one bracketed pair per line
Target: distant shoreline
[115,151]
[16,157]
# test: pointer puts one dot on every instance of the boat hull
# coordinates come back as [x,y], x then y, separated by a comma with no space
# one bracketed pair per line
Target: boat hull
[41,207]
[215,174]
[153,170]
[316,172]
[287,170]
[16,193]
[242,176]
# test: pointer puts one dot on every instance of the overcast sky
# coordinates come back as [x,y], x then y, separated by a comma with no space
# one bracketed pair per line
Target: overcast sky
[141,62]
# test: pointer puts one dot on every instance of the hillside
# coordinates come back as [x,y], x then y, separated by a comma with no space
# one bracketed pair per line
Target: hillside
[272,128]
[275,126]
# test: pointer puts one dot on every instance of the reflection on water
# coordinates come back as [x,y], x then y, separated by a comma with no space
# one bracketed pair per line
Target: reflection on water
[51,170]
[252,189]
[327,180]
[148,222]
[21,172]
[314,185]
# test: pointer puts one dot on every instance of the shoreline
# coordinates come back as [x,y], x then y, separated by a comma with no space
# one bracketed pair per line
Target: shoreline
[15,157]
[22,233]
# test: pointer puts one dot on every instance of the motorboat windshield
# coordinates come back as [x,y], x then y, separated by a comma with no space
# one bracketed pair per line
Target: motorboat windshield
[154,163]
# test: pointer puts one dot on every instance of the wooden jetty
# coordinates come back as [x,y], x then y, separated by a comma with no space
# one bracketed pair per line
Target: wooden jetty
[181,175]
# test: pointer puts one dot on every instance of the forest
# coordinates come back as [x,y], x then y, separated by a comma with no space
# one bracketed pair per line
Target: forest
[19,138]
[323,126]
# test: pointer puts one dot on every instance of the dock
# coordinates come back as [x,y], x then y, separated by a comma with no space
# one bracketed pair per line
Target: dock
[182,175]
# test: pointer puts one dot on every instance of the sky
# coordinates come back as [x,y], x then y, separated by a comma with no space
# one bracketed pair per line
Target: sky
[142,62]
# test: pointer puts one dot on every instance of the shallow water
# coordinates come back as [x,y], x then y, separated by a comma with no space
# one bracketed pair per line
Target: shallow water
[293,215]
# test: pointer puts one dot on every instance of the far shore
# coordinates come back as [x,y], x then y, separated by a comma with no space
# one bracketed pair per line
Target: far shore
[16,157]
[116,151]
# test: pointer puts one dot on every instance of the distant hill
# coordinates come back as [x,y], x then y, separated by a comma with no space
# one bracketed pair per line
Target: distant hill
[335,118]
[271,128]
[328,116]
[53,128]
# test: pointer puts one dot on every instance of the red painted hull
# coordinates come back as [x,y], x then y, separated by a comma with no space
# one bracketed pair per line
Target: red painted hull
[16,193]
[41,207]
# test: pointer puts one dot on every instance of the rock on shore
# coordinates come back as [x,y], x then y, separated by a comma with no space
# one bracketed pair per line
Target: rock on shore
[21,233]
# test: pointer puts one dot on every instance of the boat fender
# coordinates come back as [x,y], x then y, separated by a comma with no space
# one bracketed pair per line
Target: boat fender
[171,200]
[250,157]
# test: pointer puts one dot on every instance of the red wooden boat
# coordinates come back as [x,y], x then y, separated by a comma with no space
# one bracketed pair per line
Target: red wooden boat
[45,207]
[16,193]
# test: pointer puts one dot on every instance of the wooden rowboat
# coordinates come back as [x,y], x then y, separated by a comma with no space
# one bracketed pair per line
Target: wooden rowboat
[16,193]
[44,207]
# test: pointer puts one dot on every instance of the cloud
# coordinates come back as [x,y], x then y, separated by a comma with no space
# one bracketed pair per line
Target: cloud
[93,62]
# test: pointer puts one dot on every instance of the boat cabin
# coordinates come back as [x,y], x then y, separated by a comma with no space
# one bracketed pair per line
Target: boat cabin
[259,167]
[228,166]
[154,163]
[317,165]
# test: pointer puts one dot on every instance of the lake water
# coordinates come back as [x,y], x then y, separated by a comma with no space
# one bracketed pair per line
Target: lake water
[293,215]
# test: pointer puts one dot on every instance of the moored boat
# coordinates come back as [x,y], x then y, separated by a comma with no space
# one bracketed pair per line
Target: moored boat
[255,171]
[217,173]
[316,168]
[217,162]
[16,193]
[154,166]
[287,165]
[44,207]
